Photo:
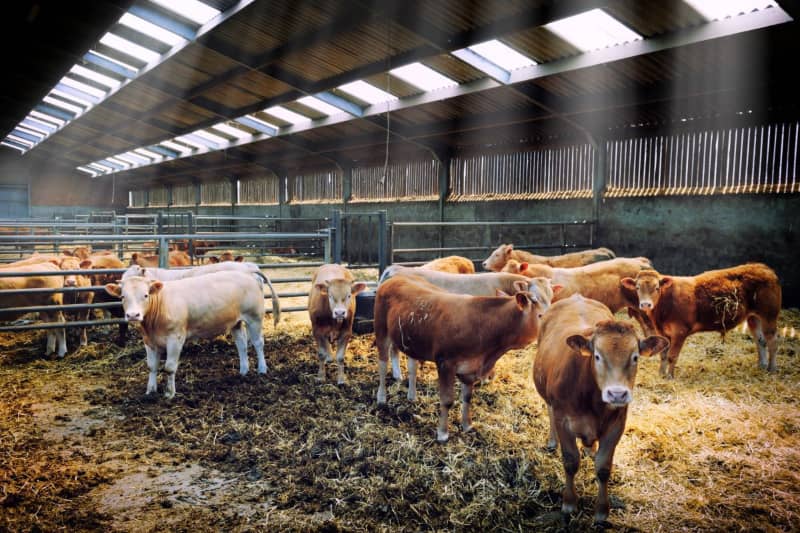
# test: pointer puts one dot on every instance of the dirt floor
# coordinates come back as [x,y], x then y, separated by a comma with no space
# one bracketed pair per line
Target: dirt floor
[83,449]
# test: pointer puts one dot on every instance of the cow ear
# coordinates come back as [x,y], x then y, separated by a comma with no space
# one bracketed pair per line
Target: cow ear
[652,345]
[557,289]
[239,258]
[628,283]
[524,300]
[523,266]
[358,287]
[322,288]
[55,260]
[665,282]
[212,260]
[68,253]
[521,286]
[155,287]
[581,343]
[114,290]
[86,263]
[500,292]
[509,249]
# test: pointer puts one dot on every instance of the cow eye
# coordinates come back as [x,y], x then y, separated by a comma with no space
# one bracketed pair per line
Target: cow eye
[145,296]
[597,357]
[635,358]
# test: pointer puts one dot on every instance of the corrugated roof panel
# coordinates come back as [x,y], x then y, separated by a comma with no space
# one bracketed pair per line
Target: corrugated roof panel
[454,68]
[260,84]
[541,44]
[176,74]
[198,56]
[454,16]
[184,114]
[284,19]
[239,35]
[138,97]
[655,17]
[231,96]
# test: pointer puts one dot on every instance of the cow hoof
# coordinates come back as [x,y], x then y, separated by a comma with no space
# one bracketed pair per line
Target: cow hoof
[441,438]
[568,508]
[550,447]
[341,381]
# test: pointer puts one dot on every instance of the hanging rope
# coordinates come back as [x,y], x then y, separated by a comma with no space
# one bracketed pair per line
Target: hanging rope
[388,90]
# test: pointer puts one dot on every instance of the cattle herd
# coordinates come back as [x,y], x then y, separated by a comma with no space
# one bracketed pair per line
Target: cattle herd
[443,312]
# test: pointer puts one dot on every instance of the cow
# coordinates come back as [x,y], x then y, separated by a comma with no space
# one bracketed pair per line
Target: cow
[464,335]
[170,312]
[585,369]
[33,259]
[331,306]
[498,258]
[107,261]
[54,336]
[176,258]
[165,274]
[225,256]
[72,280]
[454,264]
[716,300]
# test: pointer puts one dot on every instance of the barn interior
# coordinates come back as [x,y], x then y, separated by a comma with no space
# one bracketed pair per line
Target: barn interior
[660,128]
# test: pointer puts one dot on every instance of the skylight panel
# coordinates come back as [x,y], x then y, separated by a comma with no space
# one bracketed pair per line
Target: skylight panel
[48,118]
[36,125]
[63,105]
[196,11]
[177,147]
[187,139]
[151,30]
[286,115]
[20,140]
[366,92]
[720,9]
[117,160]
[89,171]
[114,61]
[593,30]
[230,130]
[102,168]
[257,124]
[12,145]
[37,134]
[317,104]
[132,49]
[502,55]
[93,75]
[129,159]
[422,77]
[71,98]
[211,137]
[148,154]
[83,87]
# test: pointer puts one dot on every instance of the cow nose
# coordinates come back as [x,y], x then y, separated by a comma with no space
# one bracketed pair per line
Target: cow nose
[618,395]
[483,264]
[645,305]
[339,314]
[133,316]
[69,283]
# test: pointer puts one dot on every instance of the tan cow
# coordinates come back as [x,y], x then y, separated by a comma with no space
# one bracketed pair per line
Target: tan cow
[176,258]
[107,261]
[36,299]
[585,369]
[170,274]
[454,264]
[717,300]
[331,306]
[172,312]
[71,280]
[464,335]
[497,259]
[225,256]
[33,259]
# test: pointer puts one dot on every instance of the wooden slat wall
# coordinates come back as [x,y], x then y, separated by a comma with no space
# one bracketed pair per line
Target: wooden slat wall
[412,180]
[320,186]
[184,195]
[262,190]
[216,193]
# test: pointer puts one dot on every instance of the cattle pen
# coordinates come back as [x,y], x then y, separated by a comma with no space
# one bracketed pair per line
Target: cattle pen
[566,146]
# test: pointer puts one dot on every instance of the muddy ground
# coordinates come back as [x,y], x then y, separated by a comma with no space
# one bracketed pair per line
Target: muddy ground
[83,449]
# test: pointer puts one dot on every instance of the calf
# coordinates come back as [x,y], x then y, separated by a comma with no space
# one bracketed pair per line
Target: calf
[73,280]
[717,300]
[331,306]
[171,312]
[103,261]
[454,264]
[585,369]
[166,274]
[225,256]
[497,259]
[36,299]
[464,335]
[176,258]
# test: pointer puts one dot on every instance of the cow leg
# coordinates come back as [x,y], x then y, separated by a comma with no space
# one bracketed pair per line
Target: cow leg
[152,365]
[341,349]
[174,347]
[571,459]
[240,338]
[413,365]
[51,334]
[447,378]
[58,335]
[385,348]
[467,388]
[603,461]
[771,336]
[552,443]
[757,332]
[668,363]
[324,354]
[397,373]
[256,335]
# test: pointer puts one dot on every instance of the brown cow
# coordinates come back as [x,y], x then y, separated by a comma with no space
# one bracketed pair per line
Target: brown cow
[104,261]
[454,264]
[331,306]
[585,369]
[464,335]
[717,300]
[497,259]
[36,299]
[74,264]
[176,258]
[225,256]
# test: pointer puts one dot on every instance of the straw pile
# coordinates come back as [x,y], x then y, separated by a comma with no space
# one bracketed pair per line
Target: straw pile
[82,448]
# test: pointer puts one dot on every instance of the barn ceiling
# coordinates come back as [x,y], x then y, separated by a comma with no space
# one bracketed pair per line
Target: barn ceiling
[233,95]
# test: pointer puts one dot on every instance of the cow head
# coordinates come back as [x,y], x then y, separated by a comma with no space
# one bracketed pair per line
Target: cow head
[542,288]
[615,350]
[512,266]
[339,293]
[648,286]
[74,263]
[498,259]
[135,293]
[532,310]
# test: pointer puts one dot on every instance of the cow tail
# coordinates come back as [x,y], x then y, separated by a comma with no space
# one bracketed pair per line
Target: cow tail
[276,303]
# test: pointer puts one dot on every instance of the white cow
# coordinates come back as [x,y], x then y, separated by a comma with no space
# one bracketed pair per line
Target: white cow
[171,312]
[171,274]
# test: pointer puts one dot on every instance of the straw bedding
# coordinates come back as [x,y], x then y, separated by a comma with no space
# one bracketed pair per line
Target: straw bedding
[82,447]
